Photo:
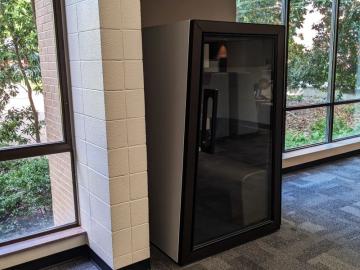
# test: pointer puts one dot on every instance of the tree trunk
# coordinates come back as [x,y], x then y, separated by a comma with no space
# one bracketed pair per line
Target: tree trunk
[29,92]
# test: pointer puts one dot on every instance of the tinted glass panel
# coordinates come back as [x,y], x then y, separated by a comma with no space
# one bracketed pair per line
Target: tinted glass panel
[259,11]
[305,127]
[346,120]
[308,56]
[348,54]
[36,194]
[30,101]
[234,158]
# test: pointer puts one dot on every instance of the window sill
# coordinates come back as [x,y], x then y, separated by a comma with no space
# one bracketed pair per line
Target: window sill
[40,241]
[310,154]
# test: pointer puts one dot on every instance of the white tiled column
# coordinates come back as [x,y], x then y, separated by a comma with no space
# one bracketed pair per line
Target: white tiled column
[108,97]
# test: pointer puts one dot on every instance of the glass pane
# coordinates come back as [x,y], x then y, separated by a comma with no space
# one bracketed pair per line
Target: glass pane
[348,54]
[36,194]
[346,120]
[234,159]
[30,107]
[259,11]
[308,59]
[305,127]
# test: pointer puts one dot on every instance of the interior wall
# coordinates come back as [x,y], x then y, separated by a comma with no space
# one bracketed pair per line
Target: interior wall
[158,12]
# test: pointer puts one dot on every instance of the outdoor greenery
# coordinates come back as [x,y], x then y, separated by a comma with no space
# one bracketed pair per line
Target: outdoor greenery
[25,195]
[308,66]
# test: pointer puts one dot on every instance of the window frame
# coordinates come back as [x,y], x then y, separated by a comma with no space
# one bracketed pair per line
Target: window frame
[67,144]
[330,105]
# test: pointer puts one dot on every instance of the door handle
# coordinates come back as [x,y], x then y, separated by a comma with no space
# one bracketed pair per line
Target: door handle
[208,136]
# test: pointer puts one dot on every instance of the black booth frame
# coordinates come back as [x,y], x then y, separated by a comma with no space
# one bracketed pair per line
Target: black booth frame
[187,252]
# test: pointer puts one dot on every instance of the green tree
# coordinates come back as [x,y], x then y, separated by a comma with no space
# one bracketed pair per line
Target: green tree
[19,67]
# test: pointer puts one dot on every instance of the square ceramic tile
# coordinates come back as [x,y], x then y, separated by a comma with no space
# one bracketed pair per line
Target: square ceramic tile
[94,103]
[106,256]
[82,175]
[138,186]
[139,212]
[110,14]
[112,44]
[115,105]
[113,75]
[135,103]
[88,15]
[137,159]
[77,100]
[85,221]
[95,130]
[99,185]
[136,131]
[122,261]
[119,189]
[120,217]
[90,45]
[132,44]
[101,236]
[130,11]
[117,134]
[121,242]
[140,237]
[80,150]
[100,211]
[118,162]
[97,159]
[75,73]
[71,19]
[141,255]
[92,75]
[134,75]
[84,200]
[73,46]
[79,126]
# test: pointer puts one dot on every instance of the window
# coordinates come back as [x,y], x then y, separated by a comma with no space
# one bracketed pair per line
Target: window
[36,155]
[323,67]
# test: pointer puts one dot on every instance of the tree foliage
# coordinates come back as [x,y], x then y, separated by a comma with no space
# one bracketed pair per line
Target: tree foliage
[25,197]
[19,68]
[310,66]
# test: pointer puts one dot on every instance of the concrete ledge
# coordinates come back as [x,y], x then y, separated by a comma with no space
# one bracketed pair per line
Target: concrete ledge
[319,152]
[39,247]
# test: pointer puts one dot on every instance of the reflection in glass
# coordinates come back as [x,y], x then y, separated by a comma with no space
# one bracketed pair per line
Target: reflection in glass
[308,57]
[346,120]
[305,127]
[259,11]
[234,159]
[36,194]
[30,107]
[348,52]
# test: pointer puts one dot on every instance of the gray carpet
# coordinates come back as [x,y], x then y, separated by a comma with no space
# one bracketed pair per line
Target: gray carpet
[320,227]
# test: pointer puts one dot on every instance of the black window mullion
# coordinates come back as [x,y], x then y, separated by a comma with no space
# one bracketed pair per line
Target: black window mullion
[332,68]
[27,151]
[285,20]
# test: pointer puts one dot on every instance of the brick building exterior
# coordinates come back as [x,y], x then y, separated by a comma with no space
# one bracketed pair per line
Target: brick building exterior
[60,164]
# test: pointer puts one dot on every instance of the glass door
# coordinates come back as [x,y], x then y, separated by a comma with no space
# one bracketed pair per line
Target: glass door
[233,189]
[234,166]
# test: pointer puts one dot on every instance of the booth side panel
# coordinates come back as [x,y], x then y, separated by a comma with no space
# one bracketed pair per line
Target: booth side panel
[166,50]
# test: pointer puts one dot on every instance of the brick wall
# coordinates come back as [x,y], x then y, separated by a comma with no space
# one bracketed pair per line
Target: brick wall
[60,164]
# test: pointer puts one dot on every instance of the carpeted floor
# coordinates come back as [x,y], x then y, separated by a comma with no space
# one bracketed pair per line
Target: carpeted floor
[320,228]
